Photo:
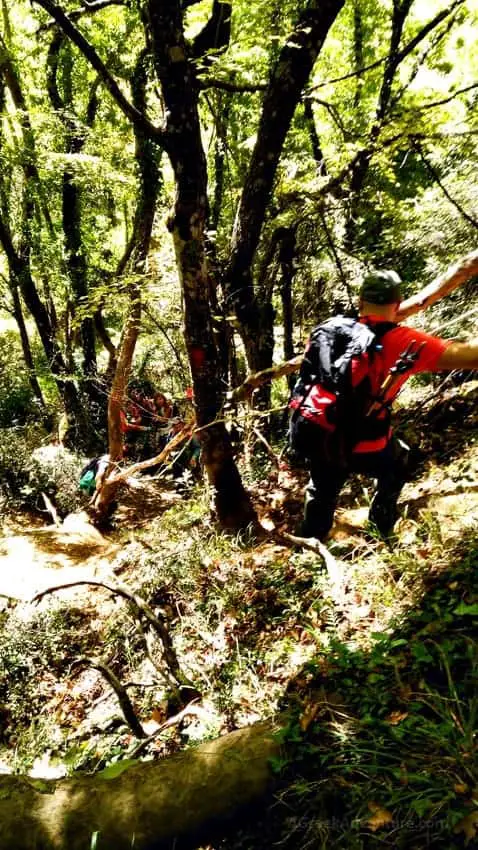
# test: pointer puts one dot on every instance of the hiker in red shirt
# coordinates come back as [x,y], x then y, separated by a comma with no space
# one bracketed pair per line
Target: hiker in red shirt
[376,452]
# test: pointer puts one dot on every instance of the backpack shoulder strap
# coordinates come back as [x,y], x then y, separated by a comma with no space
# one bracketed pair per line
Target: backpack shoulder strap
[381,328]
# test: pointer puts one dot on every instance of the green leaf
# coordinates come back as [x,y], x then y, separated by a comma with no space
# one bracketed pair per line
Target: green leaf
[116,769]
[42,785]
[470,610]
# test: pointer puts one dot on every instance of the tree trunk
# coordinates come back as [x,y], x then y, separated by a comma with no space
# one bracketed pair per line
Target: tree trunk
[63,104]
[21,276]
[286,259]
[180,92]
[175,802]
[26,348]
[288,79]
[147,160]
[19,260]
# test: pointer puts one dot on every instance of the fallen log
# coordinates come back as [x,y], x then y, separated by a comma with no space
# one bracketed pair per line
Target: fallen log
[160,805]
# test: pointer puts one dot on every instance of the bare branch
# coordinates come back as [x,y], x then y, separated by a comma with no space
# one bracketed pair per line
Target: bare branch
[229,85]
[441,102]
[156,624]
[179,438]
[126,705]
[427,28]
[333,112]
[401,55]
[252,382]
[192,708]
[76,14]
[270,451]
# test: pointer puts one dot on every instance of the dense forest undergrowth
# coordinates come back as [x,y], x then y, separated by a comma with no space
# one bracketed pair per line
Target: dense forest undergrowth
[372,654]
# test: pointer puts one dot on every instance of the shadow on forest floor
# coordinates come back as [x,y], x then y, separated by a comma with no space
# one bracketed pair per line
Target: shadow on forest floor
[381,750]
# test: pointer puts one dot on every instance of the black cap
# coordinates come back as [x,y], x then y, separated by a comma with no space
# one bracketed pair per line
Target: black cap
[381,287]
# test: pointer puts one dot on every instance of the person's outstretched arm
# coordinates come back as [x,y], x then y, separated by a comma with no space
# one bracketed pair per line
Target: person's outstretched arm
[459,355]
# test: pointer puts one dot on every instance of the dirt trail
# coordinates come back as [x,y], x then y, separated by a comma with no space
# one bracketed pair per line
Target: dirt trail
[33,557]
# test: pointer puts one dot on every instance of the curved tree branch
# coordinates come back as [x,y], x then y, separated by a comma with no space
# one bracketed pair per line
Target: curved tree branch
[88,9]
[126,705]
[143,608]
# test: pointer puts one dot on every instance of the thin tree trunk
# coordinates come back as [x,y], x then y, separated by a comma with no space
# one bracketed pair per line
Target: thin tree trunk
[19,259]
[286,259]
[147,159]
[26,348]
[180,92]
[21,276]
[288,79]
[60,53]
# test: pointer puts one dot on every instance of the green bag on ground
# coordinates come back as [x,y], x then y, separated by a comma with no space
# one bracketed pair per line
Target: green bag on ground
[88,482]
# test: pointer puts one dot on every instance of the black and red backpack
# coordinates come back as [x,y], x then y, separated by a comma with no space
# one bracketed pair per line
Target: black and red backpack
[329,414]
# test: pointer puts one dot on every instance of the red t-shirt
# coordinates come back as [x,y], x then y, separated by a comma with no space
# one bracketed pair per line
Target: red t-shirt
[394,343]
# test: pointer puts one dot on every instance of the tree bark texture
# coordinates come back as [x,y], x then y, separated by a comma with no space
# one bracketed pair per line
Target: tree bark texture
[60,58]
[26,348]
[173,803]
[288,79]
[147,160]
[180,93]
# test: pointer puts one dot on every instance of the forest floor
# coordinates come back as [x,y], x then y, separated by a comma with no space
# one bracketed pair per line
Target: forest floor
[257,626]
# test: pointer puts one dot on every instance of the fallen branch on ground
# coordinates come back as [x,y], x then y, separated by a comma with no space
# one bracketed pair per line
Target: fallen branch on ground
[179,679]
[51,509]
[335,569]
[191,709]
[126,705]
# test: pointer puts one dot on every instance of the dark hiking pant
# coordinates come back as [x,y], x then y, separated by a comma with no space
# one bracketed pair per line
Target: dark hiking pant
[388,467]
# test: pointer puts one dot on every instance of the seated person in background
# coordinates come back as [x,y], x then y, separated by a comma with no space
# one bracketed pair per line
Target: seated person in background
[132,422]
[164,406]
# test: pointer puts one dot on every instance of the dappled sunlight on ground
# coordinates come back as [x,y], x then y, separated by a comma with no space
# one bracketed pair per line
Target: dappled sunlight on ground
[33,557]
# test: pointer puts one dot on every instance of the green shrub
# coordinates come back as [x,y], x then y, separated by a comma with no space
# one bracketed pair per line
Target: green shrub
[28,469]
[33,648]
